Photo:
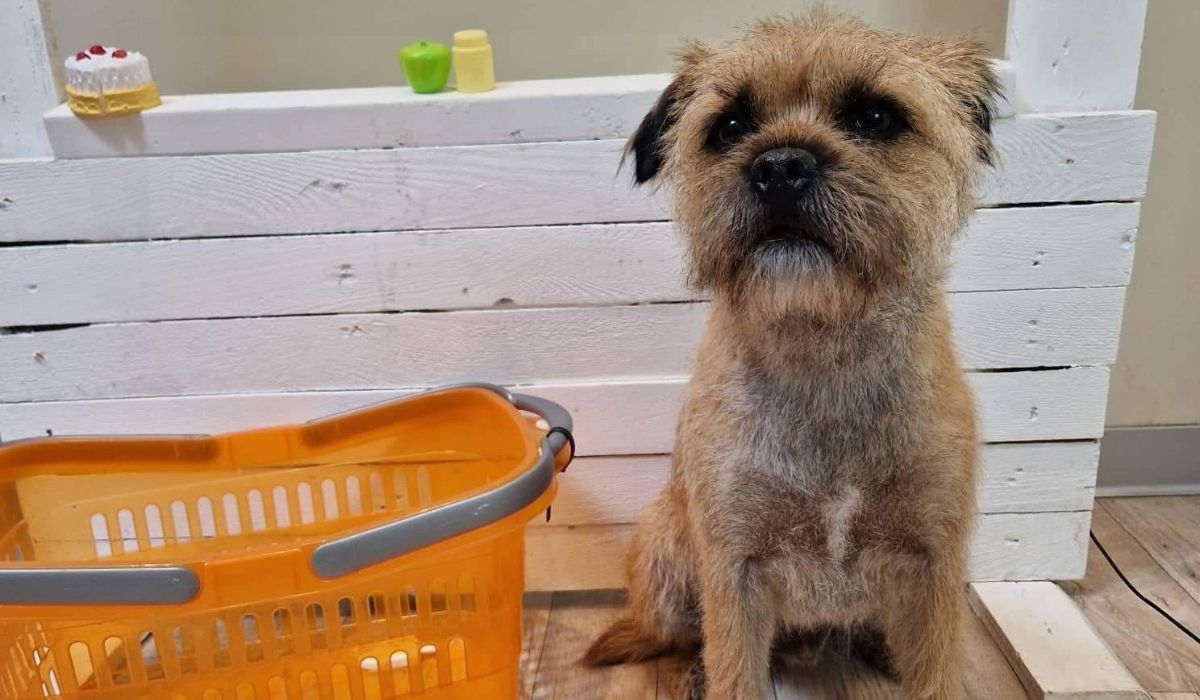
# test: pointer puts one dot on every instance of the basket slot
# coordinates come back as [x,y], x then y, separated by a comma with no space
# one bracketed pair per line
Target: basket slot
[281,507]
[309,685]
[207,520]
[285,634]
[339,677]
[314,622]
[428,657]
[399,663]
[232,522]
[155,532]
[181,525]
[257,511]
[372,681]
[83,674]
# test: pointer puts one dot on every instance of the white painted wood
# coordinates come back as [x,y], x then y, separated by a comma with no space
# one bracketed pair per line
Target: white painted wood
[1030,328]
[27,86]
[1007,547]
[576,109]
[1031,477]
[1044,158]
[1075,55]
[1052,646]
[1013,478]
[1011,248]
[611,418]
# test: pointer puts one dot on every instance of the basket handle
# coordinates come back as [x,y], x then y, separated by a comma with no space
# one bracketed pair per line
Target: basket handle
[128,585]
[360,550]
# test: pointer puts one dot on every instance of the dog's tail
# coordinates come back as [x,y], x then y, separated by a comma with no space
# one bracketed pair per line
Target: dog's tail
[625,641]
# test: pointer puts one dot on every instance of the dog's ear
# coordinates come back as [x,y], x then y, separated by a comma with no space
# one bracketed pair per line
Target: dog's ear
[967,72]
[648,143]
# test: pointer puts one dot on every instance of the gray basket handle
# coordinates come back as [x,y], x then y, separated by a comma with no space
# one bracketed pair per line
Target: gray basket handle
[127,585]
[379,544]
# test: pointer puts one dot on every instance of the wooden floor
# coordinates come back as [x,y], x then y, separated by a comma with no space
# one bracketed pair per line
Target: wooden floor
[1154,541]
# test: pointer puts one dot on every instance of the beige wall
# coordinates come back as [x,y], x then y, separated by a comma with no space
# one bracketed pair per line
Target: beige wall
[231,45]
[1157,377]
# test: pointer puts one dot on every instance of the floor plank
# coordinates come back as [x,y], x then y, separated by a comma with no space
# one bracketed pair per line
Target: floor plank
[1168,527]
[1142,569]
[534,620]
[1158,655]
[575,620]
[986,673]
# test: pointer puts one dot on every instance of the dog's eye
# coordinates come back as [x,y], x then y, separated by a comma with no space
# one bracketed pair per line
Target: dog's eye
[873,119]
[727,130]
[732,128]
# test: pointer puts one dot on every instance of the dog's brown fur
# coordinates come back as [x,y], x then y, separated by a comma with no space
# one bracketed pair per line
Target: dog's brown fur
[824,470]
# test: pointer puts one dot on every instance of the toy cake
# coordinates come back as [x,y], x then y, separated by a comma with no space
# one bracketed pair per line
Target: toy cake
[109,80]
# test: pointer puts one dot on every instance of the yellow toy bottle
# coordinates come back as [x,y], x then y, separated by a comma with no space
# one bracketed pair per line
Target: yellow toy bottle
[473,68]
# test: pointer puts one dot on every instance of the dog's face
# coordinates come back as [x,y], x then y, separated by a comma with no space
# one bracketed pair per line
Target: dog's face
[817,163]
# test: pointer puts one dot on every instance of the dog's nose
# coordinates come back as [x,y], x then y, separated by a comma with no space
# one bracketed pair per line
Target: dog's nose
[779,176]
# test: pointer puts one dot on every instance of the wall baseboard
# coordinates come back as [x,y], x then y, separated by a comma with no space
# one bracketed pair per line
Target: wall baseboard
[1150,461]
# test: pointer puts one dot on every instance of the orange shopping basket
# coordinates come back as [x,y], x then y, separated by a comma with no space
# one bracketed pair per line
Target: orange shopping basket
[375,554]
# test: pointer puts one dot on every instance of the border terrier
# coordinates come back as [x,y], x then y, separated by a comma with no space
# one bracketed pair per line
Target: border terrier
[823,479]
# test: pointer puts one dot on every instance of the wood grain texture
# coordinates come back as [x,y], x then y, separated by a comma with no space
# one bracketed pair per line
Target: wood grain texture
[611,417]
[575,621]
[1014,478]
[1050,644]
[1008,546]
[575,109]
[1074,55]
[1043,158]
[27,73]
[1168,529]
[535,618]
[1034,328]
[593,264]
[1160,656]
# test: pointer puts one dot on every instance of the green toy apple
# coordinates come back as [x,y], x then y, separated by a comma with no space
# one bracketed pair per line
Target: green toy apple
[426,66]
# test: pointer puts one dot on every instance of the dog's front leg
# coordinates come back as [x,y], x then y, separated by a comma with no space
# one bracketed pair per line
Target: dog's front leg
[739,620]
[921,624]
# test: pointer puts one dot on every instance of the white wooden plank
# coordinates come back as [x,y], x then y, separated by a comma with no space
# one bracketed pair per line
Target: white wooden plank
[1013,478]
[26,83]
[1007,547]
[611,418]
[1075,54]
[1034,328]
[1053,648]
[1043,158]
[1010,248]
[576,109]
[1062,158]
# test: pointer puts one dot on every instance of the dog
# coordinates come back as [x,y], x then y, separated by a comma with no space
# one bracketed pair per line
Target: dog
[823,478]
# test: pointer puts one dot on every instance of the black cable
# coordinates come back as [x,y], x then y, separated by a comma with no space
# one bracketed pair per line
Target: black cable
[1138,593]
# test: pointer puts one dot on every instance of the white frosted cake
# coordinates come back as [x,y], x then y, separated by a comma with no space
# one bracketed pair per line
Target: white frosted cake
[109,80]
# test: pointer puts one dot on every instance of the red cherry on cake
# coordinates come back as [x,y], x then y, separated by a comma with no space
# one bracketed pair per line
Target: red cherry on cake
[96,50]
[81,55]
[120,53]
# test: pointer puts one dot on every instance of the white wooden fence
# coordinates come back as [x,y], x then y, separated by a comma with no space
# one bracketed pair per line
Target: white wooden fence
[228,261]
